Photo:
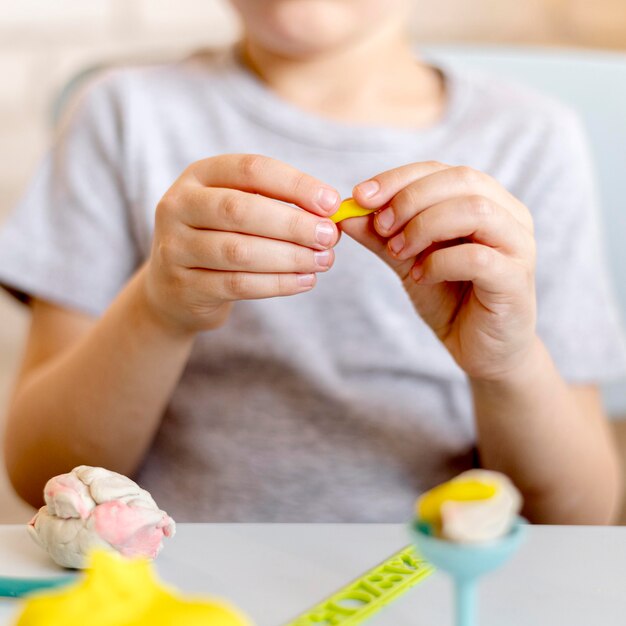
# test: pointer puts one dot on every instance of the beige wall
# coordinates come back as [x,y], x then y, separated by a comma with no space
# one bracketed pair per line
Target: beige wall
[597,23]
[42,43]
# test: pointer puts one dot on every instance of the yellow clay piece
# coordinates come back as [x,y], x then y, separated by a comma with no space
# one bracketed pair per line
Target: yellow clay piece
[116,591]
[429,505]
[349,208]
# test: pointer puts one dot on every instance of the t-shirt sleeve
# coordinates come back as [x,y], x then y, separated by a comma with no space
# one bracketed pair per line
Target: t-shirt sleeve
[578,317]
[69,240]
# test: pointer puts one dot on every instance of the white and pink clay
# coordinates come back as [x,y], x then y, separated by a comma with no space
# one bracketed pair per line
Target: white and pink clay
[92,507]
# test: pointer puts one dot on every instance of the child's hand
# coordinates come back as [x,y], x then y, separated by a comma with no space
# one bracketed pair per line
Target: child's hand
[222,235]
[464,249]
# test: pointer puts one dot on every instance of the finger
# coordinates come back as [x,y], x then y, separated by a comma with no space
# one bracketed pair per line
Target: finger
[474,217]
[234,252]
[361,229]
[487,268]
[268,177]
[380,189]
[232,286]
[237,211]
[454,182]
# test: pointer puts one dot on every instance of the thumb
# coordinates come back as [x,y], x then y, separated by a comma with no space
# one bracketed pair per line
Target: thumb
[432,302]
[362,229]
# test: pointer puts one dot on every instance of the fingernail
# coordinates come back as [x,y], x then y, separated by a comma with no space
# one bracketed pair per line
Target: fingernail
[322,258]
[327,199]
[324,233]
[368,189]
[305,280]
[397,243]
[417,272]
[385,219]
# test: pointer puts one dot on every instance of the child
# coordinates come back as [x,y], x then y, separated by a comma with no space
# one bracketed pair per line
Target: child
[193,329]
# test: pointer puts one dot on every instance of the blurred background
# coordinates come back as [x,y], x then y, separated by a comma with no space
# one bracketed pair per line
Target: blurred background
[43,44]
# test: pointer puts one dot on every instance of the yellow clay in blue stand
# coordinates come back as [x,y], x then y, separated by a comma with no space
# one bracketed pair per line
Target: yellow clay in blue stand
[349,208]
[116,591]
[429,505]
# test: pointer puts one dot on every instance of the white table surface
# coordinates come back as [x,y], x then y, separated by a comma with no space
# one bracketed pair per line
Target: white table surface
[562,576]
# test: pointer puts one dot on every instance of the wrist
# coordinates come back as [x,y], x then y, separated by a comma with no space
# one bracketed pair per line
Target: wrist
[527,367]
[151,315]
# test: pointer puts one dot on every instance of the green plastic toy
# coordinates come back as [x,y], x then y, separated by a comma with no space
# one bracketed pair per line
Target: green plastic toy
[15,587]
[370,593]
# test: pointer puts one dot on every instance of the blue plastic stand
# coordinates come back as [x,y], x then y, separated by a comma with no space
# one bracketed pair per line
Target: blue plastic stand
[466,563]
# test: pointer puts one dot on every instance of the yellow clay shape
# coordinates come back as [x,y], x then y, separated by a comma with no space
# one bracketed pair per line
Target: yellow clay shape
[116,591]
[429,505]
[349,208]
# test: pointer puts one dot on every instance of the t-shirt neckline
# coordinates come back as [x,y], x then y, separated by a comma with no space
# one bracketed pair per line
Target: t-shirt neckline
[268,109]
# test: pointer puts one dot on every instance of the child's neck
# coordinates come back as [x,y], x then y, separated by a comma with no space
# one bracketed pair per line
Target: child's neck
[376,81]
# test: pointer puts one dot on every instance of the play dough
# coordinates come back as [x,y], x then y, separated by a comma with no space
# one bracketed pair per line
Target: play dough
[122,592]
[477,506]
[92,507]
[349,208]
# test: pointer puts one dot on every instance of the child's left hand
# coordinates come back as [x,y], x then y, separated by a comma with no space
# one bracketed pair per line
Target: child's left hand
[464,249]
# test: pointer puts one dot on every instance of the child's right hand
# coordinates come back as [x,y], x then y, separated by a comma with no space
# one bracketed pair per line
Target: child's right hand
[222,235]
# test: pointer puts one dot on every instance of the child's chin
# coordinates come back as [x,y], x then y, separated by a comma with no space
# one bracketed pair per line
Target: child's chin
[303,28]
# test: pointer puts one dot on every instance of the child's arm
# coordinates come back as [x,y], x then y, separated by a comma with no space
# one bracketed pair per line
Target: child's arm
[553,439]
[93,392]
[465,251]
[90,392]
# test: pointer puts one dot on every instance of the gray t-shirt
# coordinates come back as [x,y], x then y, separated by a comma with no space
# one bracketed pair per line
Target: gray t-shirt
[335,405]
